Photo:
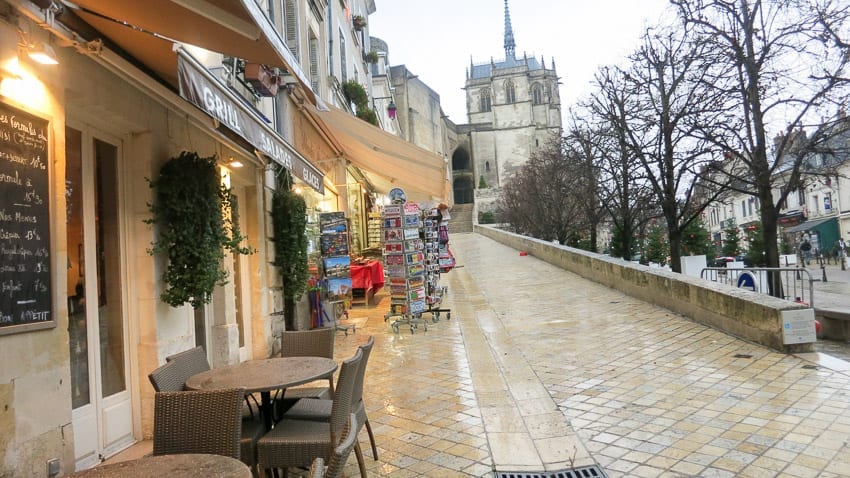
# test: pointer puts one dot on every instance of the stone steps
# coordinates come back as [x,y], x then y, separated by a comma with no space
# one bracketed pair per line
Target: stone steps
[461,220]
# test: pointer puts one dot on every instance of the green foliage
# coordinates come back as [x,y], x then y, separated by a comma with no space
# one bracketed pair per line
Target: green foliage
[756,252]
[289,223]
[486,217]
[696,240]
[355,93]
[731,242]
[371,57]
[482,184]
[617,247]
[195,230]
[657,246]
[358,21]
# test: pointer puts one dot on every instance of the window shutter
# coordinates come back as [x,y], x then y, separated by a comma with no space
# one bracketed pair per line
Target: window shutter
[292,27]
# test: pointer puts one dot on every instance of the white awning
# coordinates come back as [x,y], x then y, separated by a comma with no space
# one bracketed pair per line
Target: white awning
[236,28]
[387,160]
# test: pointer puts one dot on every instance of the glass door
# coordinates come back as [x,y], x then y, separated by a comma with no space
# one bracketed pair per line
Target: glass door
[102,411]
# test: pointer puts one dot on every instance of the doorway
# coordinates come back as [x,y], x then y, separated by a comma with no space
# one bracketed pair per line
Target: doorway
[97,323]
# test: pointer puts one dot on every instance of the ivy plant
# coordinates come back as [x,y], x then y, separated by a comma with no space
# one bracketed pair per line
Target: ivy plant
[289,223]
[355,93]
[190,211]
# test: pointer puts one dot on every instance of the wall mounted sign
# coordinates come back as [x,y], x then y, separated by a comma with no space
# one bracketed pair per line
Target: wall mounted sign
[25,281]
[204,91]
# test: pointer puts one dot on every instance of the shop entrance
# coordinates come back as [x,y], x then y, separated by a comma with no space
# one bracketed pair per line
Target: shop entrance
[101,400]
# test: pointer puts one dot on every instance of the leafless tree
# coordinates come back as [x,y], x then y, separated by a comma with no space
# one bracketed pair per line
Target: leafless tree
[665,98]
[781,64]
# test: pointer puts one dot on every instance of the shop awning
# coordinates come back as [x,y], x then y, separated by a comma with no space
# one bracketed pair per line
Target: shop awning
[387,160]
[236,28]
[813,224]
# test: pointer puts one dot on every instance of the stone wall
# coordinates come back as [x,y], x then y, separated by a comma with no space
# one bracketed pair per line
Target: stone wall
[745,314]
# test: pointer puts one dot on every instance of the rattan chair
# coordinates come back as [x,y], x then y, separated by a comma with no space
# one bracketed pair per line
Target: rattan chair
[167,378]
[340,456]
[208,421]
[180,367]
[299,442]
[313,409]
[308,343]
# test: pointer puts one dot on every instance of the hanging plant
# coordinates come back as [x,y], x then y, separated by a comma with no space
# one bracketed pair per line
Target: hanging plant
[371,57]
[289,221]
[195,231]
[359,22]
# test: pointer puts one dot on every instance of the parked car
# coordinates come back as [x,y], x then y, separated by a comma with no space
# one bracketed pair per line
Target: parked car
[723,260]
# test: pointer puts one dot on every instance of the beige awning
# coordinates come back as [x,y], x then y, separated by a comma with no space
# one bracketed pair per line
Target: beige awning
[236,28]
[388,161]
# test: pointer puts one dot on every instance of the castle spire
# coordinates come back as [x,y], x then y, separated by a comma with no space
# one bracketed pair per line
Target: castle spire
[510,46]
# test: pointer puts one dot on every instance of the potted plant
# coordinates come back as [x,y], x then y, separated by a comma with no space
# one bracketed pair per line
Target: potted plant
[371,57]
[359,22]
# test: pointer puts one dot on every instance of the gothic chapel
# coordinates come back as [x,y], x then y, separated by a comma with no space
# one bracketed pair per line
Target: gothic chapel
[513,108]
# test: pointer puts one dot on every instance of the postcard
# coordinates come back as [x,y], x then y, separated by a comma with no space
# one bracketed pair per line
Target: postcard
[337,266]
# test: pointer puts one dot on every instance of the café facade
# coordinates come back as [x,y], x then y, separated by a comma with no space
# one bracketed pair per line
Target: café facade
[82,133]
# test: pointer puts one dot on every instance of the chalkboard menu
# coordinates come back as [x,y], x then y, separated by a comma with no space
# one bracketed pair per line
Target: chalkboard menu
[25,295]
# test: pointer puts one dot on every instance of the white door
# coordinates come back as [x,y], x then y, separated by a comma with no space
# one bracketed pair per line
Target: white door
[100,392]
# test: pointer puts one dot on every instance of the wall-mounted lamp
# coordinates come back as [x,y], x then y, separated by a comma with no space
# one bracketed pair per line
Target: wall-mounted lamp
[391,109]
[235,163]
[42,53]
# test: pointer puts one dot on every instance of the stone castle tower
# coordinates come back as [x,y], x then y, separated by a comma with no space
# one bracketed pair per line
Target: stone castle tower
[513,108]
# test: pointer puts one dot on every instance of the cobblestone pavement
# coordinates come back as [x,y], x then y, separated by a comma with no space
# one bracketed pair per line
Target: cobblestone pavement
[541,370]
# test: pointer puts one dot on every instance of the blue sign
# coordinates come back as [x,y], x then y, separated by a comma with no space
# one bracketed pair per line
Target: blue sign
[747,281]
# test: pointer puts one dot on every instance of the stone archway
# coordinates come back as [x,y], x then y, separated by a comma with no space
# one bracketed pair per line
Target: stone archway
[460,161]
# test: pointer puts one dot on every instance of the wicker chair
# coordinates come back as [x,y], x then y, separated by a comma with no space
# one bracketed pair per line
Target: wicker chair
[313,409]
[307,343]
[208,421]
[298,442]
[340,455]
[167,378]
[180,366]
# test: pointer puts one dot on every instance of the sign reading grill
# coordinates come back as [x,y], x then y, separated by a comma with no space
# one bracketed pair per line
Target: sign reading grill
[592,471]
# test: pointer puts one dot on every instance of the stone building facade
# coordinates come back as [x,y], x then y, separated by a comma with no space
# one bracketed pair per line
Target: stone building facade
[514,108]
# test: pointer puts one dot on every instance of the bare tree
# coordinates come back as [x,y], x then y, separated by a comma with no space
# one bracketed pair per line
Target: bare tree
[781,64]
[541,199]
[666,98]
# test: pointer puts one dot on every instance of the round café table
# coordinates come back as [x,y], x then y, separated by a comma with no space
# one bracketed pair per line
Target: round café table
[264,376]
[210,466]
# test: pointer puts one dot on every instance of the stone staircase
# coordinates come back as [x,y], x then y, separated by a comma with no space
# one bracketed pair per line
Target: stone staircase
[461,220]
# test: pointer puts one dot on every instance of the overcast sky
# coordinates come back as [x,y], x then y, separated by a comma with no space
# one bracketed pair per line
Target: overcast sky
[436,39]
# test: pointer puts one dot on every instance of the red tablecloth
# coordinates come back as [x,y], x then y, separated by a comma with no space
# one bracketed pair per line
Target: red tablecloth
[367,276]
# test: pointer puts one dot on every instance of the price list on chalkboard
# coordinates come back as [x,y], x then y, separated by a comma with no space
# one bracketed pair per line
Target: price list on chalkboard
[25,295]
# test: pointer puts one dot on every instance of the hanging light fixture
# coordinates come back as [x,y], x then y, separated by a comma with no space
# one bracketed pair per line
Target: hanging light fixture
[391,109]
[42,53]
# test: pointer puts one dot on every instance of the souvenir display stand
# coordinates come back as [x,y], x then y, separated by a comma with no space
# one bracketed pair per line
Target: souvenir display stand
[336,270]
[404,263]
[431,223]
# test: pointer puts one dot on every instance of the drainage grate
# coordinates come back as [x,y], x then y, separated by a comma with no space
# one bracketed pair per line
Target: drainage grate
[592,471]
[743,356]
[810,367]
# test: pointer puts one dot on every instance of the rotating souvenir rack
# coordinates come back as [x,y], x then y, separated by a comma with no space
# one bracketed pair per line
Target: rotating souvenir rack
[433,291]
[404,263]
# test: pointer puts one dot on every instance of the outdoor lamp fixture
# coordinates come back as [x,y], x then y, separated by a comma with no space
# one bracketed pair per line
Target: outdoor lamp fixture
[42,53]
[235,163]
[391,109]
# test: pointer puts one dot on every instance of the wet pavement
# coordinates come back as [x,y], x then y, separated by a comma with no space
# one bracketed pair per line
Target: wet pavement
[539,369]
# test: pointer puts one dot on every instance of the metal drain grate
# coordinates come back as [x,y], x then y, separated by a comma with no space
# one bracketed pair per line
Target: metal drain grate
[592,471]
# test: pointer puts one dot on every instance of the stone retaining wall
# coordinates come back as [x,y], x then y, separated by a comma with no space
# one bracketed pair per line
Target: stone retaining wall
[745,314]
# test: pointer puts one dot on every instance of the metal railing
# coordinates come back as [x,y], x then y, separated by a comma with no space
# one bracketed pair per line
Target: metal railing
[796,282]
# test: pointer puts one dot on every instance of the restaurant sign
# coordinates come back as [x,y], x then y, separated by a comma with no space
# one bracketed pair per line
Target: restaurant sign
[201,89]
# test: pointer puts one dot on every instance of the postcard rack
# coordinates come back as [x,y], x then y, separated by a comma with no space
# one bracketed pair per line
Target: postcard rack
[404,263]
[336,268]
[431,223]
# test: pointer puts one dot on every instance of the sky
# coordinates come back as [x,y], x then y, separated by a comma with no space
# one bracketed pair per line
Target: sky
[437,39]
